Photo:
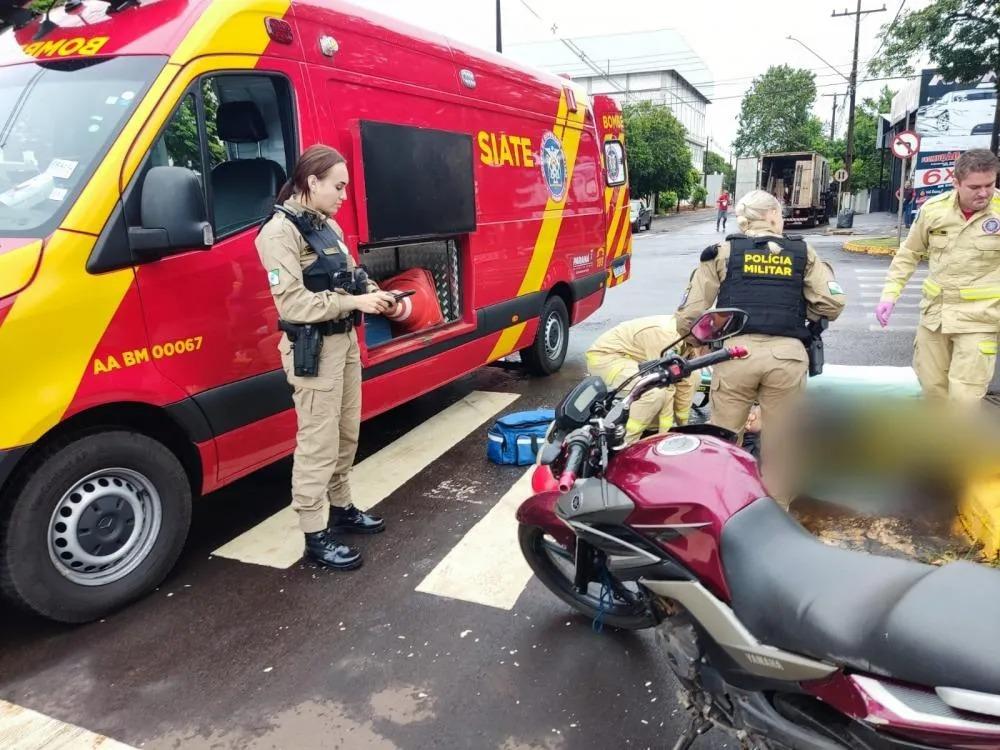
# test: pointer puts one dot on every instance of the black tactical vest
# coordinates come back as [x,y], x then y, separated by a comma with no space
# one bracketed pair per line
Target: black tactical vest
[331,270]
[769,286]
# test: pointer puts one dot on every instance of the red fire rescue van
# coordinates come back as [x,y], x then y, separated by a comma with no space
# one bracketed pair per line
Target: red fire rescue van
[138,340]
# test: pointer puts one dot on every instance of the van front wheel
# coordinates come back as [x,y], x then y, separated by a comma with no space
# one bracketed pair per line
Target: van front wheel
[548,351]
[96,523]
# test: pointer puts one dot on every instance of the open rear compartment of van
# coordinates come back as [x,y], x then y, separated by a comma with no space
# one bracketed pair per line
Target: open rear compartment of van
[437,300]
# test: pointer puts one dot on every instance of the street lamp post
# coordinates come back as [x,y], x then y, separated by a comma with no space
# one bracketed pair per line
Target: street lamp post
[499,30]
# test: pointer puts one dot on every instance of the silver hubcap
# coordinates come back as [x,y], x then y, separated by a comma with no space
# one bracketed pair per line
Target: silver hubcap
[104,526]
[554,335]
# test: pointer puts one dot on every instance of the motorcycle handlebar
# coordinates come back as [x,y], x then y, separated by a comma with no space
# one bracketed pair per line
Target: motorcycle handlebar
[676,369]
[577,452]
[723,355]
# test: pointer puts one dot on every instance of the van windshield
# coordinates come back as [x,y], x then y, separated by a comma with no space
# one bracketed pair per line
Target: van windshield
[57,120]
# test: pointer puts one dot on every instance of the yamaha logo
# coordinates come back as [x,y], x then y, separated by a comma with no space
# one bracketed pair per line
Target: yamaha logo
[765,661]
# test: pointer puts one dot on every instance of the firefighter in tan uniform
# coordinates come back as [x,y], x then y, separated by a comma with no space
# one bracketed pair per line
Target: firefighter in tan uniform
[616,356]
[317,300]
[781,283]
[958,232]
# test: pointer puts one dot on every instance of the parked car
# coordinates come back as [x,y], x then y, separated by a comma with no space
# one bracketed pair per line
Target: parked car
[640,215]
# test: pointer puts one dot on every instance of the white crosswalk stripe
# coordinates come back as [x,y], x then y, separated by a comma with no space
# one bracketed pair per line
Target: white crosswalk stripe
[24,729]
[277,542]
[486,566]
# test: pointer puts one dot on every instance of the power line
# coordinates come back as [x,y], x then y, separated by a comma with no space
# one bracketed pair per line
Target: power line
[787,91]
[888,30]
[571,45]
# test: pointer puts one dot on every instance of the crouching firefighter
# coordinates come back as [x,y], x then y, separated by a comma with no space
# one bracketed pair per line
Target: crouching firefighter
[320,295]
[782,284]
[617,355]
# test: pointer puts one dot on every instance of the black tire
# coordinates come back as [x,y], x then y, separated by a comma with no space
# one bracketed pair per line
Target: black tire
[636,227]
[537,552]
[117,493]
[548,351]
[649,224]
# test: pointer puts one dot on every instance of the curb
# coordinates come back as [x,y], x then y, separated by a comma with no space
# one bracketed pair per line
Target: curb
[860,246]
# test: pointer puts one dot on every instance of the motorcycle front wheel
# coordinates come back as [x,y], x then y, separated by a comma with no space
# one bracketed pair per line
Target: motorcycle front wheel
[555,567]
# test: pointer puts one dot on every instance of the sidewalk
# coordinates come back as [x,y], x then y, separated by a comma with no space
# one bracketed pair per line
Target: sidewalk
[882,224]
[665,222]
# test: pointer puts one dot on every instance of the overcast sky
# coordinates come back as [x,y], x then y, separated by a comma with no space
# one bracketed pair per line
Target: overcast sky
[737,39]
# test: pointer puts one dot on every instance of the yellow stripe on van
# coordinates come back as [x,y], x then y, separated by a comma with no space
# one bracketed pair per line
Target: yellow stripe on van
[55,325]
[17,266]
[622,213]
[971,294]
[548,232]
[228,27]
[75,306]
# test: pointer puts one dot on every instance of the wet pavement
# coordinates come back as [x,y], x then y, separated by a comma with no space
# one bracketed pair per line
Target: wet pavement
[232,655]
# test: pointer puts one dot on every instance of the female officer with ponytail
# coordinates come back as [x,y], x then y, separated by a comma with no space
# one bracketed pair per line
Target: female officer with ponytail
[318,291]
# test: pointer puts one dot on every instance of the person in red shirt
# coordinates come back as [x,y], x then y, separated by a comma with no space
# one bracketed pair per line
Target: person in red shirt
[723,205]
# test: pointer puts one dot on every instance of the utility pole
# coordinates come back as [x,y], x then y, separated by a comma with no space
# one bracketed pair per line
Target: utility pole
[499,30]
[853,88]
[704,167]
[833,120]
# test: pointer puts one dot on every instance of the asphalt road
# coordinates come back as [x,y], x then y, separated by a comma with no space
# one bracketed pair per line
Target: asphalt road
[232,654]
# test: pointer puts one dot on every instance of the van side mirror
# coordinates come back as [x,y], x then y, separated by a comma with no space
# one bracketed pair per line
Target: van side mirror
[173,215]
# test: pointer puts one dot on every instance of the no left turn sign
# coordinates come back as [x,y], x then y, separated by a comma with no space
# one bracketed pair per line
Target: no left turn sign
[906,145]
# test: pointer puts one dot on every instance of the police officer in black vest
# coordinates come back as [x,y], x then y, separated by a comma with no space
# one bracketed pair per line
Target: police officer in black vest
[319,293]
[782,284]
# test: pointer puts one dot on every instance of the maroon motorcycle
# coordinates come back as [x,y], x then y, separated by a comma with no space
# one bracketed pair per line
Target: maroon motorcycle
[775,637]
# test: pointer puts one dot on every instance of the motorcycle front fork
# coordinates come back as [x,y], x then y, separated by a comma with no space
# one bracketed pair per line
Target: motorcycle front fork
[586,566]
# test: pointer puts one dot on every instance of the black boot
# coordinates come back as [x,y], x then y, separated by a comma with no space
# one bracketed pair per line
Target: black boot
[328,552]
[350,520]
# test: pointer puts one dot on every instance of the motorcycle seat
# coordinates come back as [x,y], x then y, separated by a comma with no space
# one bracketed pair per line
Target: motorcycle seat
[932,626]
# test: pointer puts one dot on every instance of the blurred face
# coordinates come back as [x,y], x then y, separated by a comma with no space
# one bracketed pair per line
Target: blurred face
[327,193]
[975,191]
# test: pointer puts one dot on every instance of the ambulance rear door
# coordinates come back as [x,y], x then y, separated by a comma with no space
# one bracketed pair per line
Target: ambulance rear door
[618,240]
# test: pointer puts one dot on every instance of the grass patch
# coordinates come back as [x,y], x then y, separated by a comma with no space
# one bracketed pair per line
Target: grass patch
[880,242]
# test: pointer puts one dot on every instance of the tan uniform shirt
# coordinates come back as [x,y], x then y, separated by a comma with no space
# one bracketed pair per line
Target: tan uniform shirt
[640,340]
[284,254]
[824,297]
[962,291]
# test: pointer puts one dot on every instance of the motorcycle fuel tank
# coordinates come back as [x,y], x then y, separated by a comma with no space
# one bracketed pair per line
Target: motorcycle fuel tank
[685,488]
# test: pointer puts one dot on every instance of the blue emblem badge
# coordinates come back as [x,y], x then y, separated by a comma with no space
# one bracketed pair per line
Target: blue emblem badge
[991,226]
[554,168]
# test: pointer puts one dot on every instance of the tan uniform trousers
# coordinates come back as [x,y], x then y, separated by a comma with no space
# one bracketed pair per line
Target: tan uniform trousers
[657,409]
[328,410]
[954,365]
[774,375]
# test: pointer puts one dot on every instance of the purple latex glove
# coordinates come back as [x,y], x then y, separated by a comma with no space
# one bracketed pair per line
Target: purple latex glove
[883,311]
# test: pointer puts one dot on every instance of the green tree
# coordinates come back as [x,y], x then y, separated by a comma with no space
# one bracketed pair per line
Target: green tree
[658,156]
[867,156]
[715,164]
[961,37]
[776,113]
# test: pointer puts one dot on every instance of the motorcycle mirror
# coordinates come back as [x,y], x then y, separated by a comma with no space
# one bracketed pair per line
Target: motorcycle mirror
[717,325]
